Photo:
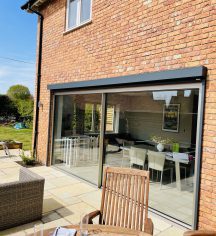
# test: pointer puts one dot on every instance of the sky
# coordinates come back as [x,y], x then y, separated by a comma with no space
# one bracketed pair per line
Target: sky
[17,46]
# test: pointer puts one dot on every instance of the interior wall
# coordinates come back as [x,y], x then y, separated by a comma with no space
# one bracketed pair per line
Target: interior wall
[145,118]
[141,116]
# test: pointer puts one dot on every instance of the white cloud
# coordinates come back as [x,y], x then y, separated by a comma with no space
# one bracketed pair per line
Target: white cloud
[3,73]
[164,95]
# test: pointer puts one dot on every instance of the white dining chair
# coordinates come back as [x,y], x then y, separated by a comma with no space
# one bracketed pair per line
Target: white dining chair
[137,156]
[156,161]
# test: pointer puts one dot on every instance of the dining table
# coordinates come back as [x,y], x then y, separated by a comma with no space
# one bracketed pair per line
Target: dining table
[169,157]
[99,230]
[177,169]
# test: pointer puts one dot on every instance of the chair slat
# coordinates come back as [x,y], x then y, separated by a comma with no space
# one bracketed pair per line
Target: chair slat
[125,197]
[135,201]
[103,196]
[109,199]
[131,203]
[142,202]
[119,202]
[138,204]
[124,201]
[127,201]
[147,197]
[116,201]
[114,194]
[105,205]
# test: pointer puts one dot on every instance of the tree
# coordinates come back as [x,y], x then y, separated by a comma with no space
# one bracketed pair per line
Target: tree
[18,92]
[21,97]
[25,107]
[7,107]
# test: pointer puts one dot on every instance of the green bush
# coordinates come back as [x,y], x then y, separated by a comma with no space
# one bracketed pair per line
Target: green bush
[27,160]
[29,123]
[8,107]
[23,101]
[25,107]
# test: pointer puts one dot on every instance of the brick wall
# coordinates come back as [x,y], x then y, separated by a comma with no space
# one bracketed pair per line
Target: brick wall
[130,37]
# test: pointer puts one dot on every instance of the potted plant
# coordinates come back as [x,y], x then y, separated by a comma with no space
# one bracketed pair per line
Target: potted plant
[27,160]
[160,142]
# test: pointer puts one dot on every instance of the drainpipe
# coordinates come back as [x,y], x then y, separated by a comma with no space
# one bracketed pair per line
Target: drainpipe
[37,103]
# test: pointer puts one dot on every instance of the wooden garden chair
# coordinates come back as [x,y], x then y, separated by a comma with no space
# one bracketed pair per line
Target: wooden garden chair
[124,200]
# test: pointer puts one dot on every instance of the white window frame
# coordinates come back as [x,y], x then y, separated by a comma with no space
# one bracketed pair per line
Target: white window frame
[78,23]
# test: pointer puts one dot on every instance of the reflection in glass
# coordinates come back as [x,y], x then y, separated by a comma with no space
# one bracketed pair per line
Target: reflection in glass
[72,19]
[164,95]
[85,10]
[76,134]
[156,131]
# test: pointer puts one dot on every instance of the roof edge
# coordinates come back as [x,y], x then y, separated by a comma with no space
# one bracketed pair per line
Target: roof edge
[33,4]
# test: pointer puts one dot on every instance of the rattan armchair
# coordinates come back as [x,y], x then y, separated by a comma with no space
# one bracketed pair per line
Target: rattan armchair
[21,201]
[124,200]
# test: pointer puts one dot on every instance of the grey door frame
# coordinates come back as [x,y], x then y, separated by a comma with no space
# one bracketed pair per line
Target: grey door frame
[198,84]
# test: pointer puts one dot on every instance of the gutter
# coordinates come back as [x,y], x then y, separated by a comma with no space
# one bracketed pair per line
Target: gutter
[28,8]
[27,4]
[33,3]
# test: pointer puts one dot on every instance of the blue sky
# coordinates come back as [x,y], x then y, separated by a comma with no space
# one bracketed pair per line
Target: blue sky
[17,41]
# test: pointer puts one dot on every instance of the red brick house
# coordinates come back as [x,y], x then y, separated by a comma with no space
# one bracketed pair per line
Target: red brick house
[131,83]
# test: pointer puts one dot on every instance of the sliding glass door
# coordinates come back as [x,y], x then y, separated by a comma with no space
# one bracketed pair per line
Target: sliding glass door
[76,135]
[156,131]
[150,128]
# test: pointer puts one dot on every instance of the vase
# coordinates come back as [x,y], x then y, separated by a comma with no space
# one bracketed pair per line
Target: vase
[160,147]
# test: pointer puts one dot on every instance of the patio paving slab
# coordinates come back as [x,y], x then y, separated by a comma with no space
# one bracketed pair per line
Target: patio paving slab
[63,181]
[74,190]
[51,204]
[92,198]
[172,231]
[74,212]
[66,198]
[66,201]
[159,224]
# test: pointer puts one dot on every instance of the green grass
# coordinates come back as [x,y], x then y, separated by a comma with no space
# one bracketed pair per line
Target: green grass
[23,135]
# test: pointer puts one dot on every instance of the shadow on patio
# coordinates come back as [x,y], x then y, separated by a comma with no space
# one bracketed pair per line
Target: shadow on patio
[66,198]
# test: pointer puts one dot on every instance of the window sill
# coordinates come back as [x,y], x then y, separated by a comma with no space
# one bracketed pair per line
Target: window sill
[77,27]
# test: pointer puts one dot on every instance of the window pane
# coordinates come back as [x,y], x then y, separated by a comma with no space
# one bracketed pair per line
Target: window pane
[110,119]
[72,18]
[76,135]
[85,10]
[92,118]
[156,130]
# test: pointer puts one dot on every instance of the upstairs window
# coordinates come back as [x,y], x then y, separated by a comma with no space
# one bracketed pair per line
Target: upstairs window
[79,13]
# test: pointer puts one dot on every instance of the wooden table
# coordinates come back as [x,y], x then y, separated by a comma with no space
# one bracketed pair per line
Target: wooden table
[100,230]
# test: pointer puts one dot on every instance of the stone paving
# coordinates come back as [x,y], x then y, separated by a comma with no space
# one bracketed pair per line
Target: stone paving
[66,198]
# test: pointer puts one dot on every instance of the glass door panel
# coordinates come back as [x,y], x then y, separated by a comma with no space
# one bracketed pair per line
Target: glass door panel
[156,131]
[76,134]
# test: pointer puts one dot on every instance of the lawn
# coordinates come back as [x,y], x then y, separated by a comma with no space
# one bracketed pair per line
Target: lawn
[23,135]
